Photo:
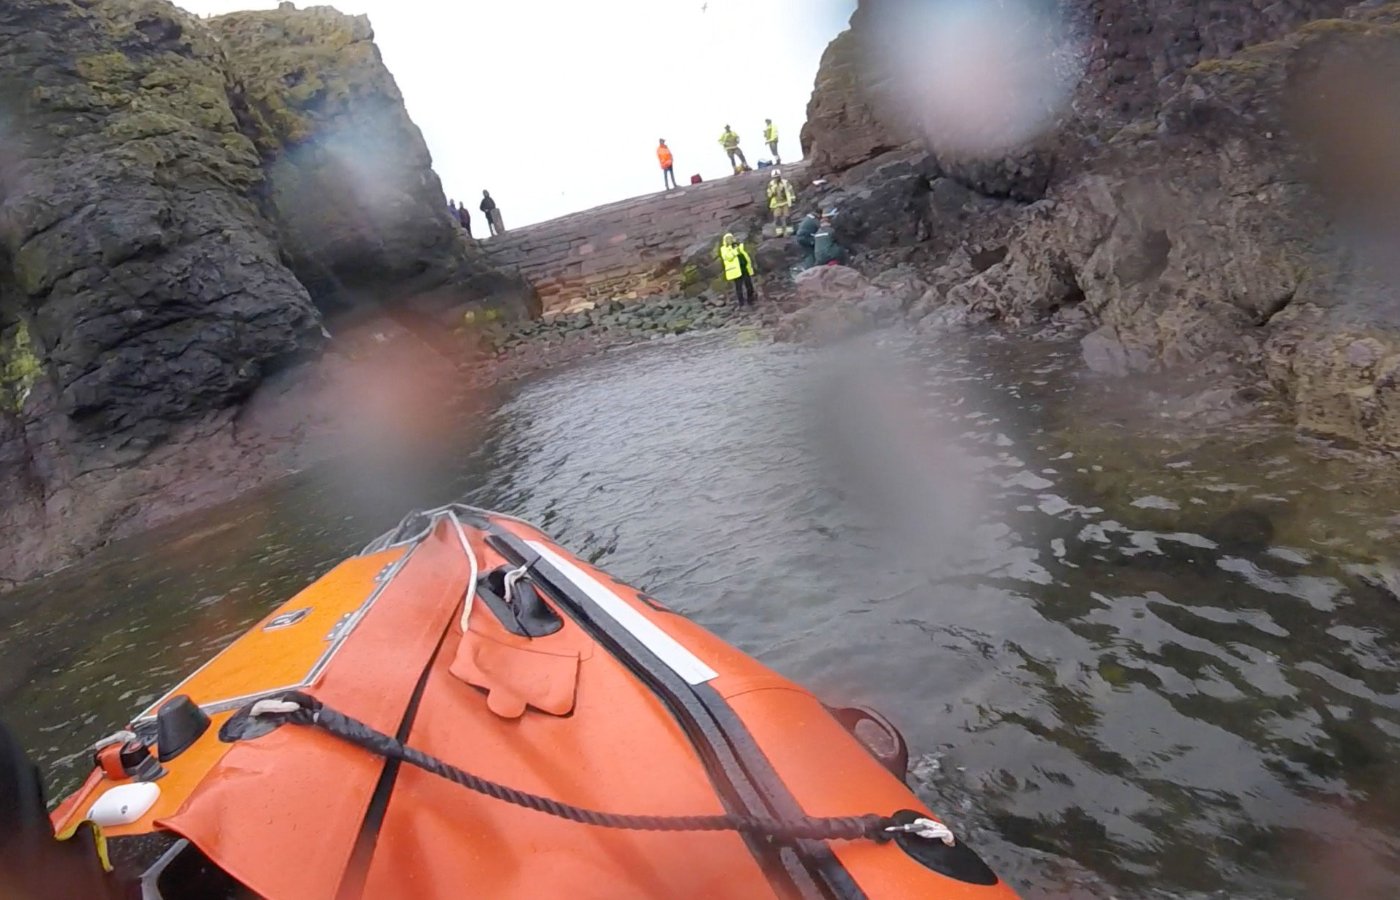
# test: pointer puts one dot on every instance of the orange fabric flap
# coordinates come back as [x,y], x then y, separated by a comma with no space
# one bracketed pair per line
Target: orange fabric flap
[515,676]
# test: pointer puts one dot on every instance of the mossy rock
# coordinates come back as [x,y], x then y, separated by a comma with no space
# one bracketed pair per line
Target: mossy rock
[19,367]
[1243,64]
[1346,27]
[104,68]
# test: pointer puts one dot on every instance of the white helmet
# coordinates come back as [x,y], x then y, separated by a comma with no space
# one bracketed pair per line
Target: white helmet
[777,173]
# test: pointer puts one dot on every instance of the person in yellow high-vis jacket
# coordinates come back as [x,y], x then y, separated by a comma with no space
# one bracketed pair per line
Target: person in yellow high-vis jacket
[770,135]
[730,142]
[738,268]
[780,200]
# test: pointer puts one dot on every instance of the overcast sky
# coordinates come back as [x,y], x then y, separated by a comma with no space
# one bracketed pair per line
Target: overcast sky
[556,105]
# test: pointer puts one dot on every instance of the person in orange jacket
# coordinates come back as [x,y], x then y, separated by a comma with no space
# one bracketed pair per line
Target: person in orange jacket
[663,155]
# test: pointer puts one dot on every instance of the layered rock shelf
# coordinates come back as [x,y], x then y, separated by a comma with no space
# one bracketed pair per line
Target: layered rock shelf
[633,248]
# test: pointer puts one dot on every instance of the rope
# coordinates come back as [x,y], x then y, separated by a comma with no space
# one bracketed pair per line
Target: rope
[511,578]
[300,709]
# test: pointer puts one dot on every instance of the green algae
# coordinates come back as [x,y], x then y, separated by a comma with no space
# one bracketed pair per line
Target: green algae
[19,367]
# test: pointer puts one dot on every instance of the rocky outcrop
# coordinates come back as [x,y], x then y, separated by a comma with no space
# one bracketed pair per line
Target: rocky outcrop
[174,232]
[1132,55]
[148,283]
[348,178]
[1212,218]
[844,126]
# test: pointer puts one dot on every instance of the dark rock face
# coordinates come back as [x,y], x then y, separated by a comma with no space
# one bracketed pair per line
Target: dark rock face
[902,198]
[1134,52]
[349,178]
[1201,204]
[147,281]
[151,196]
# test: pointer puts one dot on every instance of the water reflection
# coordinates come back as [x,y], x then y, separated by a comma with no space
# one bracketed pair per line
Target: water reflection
[1135,659]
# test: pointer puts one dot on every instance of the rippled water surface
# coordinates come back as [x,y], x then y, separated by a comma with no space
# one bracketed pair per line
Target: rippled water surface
[1134,656]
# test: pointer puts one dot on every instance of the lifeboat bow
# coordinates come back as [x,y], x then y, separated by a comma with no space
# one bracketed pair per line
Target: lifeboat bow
[466,707]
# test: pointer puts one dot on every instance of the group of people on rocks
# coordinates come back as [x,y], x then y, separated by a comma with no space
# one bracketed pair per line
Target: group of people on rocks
[488,208]
[814,235]
[729,140]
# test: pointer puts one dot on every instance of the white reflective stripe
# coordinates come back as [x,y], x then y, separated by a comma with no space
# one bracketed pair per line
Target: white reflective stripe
[668,649]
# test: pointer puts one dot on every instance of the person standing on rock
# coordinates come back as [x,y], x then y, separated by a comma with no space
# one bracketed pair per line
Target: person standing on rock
[780,200]
[465,218]
[730,142]
[493,213]
[770,135]
[738,268]
[663,156]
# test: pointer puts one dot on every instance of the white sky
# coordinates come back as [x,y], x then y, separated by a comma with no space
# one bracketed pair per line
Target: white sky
[556,105]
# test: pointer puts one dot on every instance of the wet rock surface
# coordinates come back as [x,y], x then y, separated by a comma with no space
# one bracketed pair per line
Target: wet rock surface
[509,351]
[1222,215]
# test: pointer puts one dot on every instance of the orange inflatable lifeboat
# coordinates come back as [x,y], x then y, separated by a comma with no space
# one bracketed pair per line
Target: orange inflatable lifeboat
[465,709]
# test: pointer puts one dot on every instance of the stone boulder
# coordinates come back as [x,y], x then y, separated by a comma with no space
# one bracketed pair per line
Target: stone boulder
[826,285]
[349,178]
[837,302]
[880,203]
[1341,373]
[776,255]
[903,198]
[1105,352]
[902,283]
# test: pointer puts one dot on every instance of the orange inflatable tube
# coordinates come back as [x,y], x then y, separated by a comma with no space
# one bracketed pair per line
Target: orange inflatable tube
[315,758]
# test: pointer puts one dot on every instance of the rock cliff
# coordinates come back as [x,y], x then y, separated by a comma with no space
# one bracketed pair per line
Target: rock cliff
[181,218]
[348,178]
[148,283]
[1210,200]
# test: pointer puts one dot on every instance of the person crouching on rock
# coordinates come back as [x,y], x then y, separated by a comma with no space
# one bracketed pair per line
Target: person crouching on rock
[806,239]
[780,200]
[663,156]
[824,244]
[738,268]
[730,142]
